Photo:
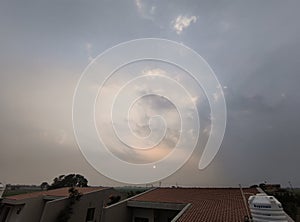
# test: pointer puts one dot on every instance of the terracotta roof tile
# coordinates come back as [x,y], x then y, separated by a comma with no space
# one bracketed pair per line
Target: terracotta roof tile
[61,192]
[207,204]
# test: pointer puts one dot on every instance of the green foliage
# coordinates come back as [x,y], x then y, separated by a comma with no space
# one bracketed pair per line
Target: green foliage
[289,200]
[66,213]
[8,193]
[113,199]
[130,191]
[74,194]
[44,186]
[262,186]
[71,180]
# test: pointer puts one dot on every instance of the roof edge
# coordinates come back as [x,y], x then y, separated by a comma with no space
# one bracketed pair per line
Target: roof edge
[181,212]
[125,200]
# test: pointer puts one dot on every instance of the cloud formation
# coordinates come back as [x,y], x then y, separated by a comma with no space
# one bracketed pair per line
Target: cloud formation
[183,22]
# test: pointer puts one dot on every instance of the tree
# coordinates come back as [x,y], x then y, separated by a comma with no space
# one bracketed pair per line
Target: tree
[44,186]
[262,186]
[113,199]
[65,214]
[71,180]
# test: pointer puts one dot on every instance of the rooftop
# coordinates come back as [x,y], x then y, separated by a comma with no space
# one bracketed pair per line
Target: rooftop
[61,192]
[207,204]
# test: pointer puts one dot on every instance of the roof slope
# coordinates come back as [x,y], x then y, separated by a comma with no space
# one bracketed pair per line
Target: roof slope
[61,192]
[207,204]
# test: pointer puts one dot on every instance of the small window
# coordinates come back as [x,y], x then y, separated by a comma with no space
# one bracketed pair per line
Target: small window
[90,214]
[141,219]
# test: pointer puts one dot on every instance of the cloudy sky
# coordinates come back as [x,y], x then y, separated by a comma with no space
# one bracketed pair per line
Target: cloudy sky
[252,46]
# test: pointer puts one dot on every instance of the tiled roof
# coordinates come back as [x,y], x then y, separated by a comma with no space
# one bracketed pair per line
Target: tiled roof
[61,192]
[207,204]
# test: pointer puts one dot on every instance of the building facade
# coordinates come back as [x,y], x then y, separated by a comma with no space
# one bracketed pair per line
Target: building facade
[48,206]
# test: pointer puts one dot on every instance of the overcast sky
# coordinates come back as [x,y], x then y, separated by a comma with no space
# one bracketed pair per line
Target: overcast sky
[253,47]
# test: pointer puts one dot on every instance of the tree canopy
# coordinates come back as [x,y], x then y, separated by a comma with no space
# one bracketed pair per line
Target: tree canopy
[44,186]
[71,180]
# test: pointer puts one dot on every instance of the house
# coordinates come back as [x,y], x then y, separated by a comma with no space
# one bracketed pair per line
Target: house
[46,206]
[154,205]
[183,205]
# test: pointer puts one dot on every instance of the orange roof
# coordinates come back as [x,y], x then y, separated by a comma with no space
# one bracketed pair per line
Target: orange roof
[207,204]
[61,192]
